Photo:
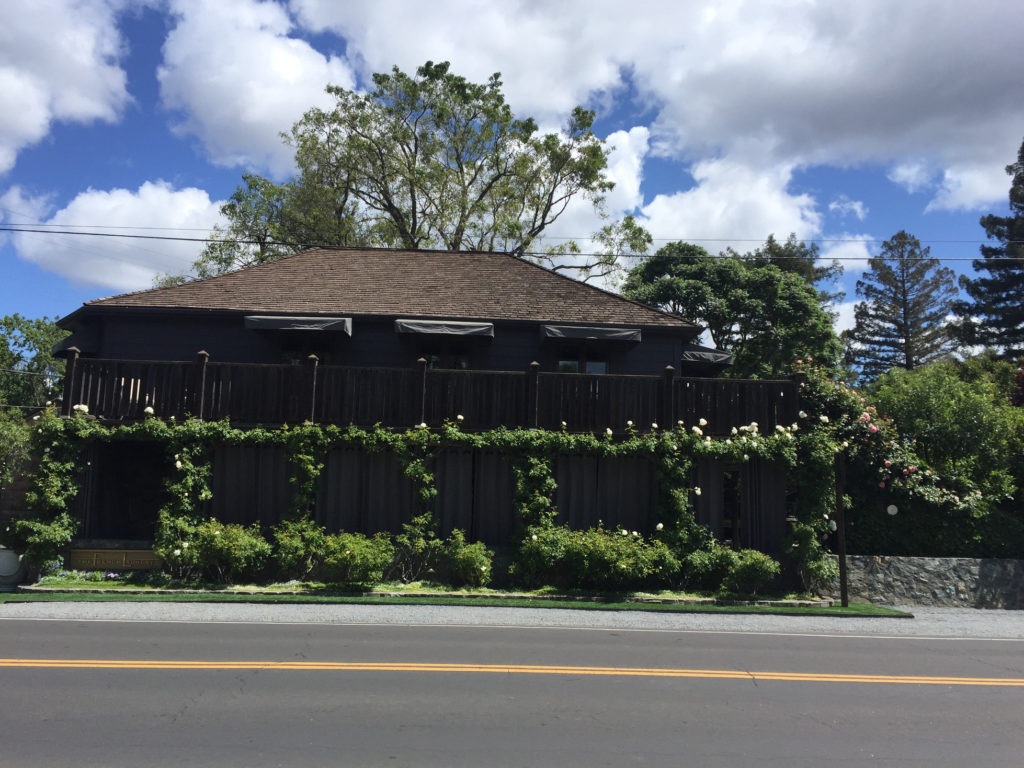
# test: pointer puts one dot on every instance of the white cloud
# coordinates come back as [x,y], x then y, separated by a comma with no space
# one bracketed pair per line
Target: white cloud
[852,250]
[117,263]
[844,316]
[968,187]
[765,85]
[844,206]
[58,62]
[732,205]
[239,80]
[912,175]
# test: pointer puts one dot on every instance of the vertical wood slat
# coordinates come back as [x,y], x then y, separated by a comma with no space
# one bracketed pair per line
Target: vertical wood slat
[402,397]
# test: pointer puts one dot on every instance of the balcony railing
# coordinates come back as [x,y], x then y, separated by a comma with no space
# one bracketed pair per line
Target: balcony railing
[122,390]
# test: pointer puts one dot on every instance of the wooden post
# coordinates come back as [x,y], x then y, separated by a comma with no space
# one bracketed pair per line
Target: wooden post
[844,594]
[199,394]
[69,380]
[422,363]
[313,362]
[668,409]
[533,395]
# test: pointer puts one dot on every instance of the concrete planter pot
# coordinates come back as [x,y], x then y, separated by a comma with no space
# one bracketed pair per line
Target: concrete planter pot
[12,570]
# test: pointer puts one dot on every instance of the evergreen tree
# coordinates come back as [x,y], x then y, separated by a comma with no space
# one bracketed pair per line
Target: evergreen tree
[995,318]
[902,321]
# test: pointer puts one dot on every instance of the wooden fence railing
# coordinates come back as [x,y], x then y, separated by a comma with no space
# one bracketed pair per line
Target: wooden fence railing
[122,390]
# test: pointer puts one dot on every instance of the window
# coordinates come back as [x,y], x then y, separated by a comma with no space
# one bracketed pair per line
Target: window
[582,360]
[447,360]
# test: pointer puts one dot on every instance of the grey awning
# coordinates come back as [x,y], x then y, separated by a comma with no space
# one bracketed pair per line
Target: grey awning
[445,327]
[703,360]
[291,323]
[604,333]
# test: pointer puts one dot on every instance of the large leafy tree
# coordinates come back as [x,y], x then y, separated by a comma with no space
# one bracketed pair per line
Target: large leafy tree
[764,316]
[29,374]
[798,257]
[424,161]
[995,315]
[902,322]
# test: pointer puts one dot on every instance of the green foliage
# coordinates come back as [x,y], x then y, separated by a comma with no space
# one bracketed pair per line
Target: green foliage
[419,162]
[960,429]
[464,563]
[299,547]
[751,572]
[40,541]
[15,432]
[418,551]
[902,321]
[995,315]
[210,550]
[29,374]
[352,558]
[764,316]
[593,559]
[800,258]
[707,568]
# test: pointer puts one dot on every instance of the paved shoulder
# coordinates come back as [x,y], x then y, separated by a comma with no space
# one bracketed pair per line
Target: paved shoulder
[928,622]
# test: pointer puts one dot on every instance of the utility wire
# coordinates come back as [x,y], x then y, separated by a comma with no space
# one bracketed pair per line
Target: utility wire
[25,373]
[536,253]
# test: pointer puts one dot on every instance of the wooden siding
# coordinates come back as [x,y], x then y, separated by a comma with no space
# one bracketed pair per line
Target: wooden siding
[120,493]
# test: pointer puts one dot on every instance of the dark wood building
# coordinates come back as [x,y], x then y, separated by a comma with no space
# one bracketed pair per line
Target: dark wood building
[371,336]
[381,308]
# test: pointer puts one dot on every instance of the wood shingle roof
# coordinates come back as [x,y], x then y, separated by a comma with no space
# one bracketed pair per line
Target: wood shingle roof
[377,282]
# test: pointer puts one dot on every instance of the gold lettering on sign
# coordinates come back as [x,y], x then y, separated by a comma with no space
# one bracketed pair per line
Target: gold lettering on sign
[114,560]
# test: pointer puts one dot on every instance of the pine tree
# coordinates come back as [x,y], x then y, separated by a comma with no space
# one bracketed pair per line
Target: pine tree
[996,316]
[902,320]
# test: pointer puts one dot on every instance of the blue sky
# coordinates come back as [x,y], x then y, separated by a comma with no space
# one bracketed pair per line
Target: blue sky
[730,121]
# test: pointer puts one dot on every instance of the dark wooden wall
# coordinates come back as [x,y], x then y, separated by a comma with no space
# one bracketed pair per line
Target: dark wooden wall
[156,336]
[121,492]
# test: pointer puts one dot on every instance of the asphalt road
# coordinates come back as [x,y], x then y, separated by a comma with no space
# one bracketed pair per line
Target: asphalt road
[97,687]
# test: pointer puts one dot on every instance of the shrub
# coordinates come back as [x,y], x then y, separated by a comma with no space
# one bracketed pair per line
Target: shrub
[14,441]
[592,559]
[418,551]
[352,558]
[707,568]
[751,571]
[211,550]
[40,541]
[299,547]
[466,564]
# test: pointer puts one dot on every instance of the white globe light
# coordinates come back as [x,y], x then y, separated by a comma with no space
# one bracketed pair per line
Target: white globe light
[892,509]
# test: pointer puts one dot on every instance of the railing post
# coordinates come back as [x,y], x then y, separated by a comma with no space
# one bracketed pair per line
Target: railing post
[69,380]
[314,363]
[199,376]
[668,405]
[533,395]
[422,363]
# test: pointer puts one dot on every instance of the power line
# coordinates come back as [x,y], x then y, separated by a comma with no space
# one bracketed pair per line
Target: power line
[78,233]
[25,373]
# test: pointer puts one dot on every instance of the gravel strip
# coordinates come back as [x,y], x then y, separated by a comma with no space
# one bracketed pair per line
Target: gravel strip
[927,621]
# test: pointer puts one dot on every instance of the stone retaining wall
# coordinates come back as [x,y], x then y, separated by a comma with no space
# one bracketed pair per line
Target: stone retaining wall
[943,581]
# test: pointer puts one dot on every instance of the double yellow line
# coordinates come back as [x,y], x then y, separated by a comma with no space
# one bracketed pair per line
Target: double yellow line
[507,669]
